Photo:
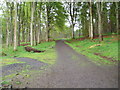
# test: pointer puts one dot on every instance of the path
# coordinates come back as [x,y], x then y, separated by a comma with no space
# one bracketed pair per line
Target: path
[73,70]
[30,64]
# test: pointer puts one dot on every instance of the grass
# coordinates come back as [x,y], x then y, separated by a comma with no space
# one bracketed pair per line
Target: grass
[48,56]
[108,48]
[7,61]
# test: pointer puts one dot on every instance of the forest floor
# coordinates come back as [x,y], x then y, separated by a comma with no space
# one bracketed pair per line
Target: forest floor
[70,70]
[24,63]
[105,52]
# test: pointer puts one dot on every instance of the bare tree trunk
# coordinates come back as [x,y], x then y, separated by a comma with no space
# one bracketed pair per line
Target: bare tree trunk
[7,29]
[38,33]
[11,25]
[117,18]
[39,28]
[7,37]
[99,21]
[91,21]
[31,25]
[48,23]
[73,35]
[15,28]
[19,26]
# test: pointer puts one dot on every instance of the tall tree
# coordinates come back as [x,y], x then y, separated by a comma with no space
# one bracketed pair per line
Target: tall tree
[117,18]
[15,28]
[7,23]
[72,10]
[99,11]
[31,25]
[91,22]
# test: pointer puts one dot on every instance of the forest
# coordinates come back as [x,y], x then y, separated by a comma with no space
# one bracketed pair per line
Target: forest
[36,21]
[44,33]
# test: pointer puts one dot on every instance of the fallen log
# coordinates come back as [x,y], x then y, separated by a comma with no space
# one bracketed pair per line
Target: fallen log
[30,49]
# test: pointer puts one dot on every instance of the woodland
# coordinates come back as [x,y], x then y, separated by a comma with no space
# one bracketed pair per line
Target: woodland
[77,39]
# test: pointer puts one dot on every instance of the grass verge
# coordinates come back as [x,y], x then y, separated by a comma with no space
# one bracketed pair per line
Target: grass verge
[105,52]
[48,56]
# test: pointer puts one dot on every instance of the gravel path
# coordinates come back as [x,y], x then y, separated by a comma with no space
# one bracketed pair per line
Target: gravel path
[73,70]
[30,64]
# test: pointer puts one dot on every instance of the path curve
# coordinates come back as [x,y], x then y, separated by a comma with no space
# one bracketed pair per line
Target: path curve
[30,64]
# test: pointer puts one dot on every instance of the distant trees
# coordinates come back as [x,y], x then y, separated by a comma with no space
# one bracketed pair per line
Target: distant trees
[36,21]
[72,12]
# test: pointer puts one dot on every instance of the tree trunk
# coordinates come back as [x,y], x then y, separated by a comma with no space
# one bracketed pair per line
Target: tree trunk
[91,21]
[31,25]
[117,18]
[48,22]
[73,33]
[11,25]
[7,29]
[7,37]
[15,28]
[39,27]
[19,26]
[38,33]
[99,21]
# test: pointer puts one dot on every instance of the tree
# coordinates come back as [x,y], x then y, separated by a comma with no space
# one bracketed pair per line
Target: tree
[15,28]
[117,18]
[99,11]
[31,25]
[91,22]
[72,10]
[7,23]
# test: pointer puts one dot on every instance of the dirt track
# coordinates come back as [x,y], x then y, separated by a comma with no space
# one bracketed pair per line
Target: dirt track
[73,70]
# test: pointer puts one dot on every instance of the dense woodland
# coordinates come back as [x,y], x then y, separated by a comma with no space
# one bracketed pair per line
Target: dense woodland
[35,22]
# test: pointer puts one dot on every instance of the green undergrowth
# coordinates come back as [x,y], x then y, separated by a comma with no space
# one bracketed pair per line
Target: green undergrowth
[48,56]
[107,48]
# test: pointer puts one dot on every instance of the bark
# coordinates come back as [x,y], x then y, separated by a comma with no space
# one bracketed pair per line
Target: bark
[19,26]
[39,27]
[31,25]
[91,22]
[48,22]
[7,37]
[38,33]
[7,31]
[72,19]
[99,21]
[11,25]
[15,28]
[117,18]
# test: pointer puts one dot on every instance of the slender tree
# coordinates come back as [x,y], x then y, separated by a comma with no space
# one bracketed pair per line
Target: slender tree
[31,25]
[15,28]
[91,22]
[117,18]
[99,11]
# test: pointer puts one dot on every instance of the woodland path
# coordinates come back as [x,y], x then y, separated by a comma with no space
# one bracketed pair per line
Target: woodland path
[73,70]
